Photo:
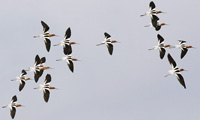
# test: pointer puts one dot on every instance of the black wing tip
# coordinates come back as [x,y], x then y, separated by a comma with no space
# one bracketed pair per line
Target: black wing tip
[159,36]
[12,112]
[152,5]
[48,49]
[14,98]
[162,53]
[24,72]
[110,48]
[183,52]
[21,85]
[20,89]
[107,35]
[46,100]
[71,66]
[168,55]
[46,95]
[36,80]
[110,53]
[48,76]
[71,69]
[43,22]
[36,77]
[43,60]
[37,56]
[157,28]
[182,57]
[47,44]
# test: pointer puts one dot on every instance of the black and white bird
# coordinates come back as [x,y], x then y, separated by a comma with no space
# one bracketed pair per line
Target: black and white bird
[68,59]
[183,47]
[108,43]
[13,104]
[161,46]
[66,43]
[46,87]
[155,23]
[45,35]
[38,67]
[175,70]
[152,10]
[22,79]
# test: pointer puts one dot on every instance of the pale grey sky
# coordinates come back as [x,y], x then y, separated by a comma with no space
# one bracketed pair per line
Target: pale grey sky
[129,85]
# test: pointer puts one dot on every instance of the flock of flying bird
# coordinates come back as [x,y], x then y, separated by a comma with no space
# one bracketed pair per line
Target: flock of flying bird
[161,46]
[39,66]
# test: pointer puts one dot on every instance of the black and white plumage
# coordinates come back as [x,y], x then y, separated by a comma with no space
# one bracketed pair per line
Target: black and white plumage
[22,79]
[46,92]
[38,67]
[175,70]
[69,60]
[67,49]
[183,47]
[45,87]
[13,106]
[108,42]
[161,46]
[152,10]
[45,36]
[66,43]
[155,23]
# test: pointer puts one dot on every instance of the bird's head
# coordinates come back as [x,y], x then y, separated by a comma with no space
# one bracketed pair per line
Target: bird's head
[167,46]
[27,78]
[182,70]
[162,24]
[113,41]
[74,59]
[72,43]
[188,46]
[51,35]
[157,12]
[45,68]
[19,105]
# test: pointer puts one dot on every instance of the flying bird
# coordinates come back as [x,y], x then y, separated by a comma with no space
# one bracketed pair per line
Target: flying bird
[38,67]
[13,104]
[152,10]
[183,47]
[45,35]
[46,87]
[22,79]
[42,67]
[161,46]
[66,43]
[155,23]
[69,59]
[175,70]
[108,43]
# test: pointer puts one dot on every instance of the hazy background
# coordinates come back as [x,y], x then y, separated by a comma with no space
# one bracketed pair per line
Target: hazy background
[129,85]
